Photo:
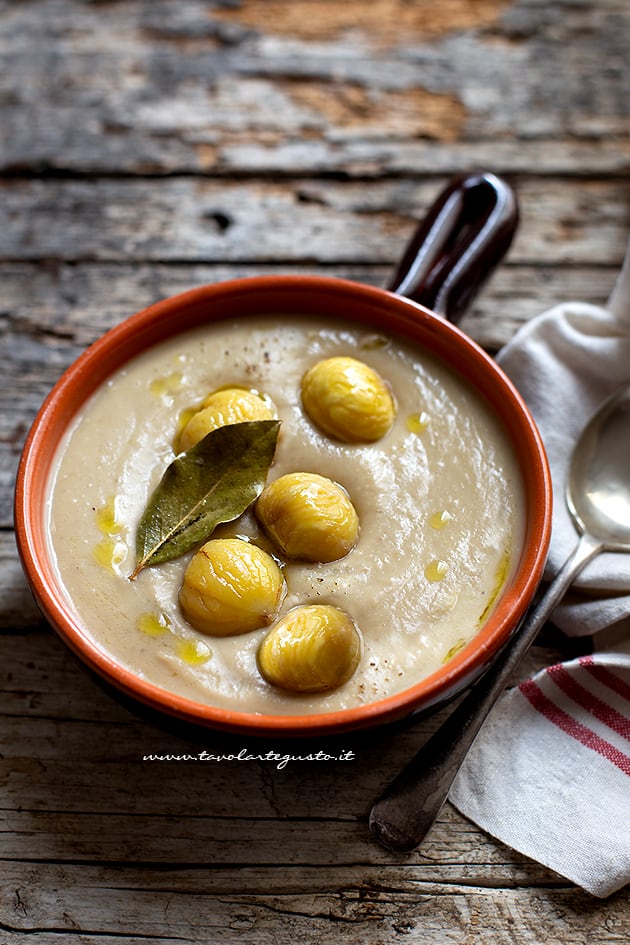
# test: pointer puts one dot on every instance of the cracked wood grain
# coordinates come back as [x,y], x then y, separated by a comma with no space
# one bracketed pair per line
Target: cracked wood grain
[227,90]
[351,906]
[327,222]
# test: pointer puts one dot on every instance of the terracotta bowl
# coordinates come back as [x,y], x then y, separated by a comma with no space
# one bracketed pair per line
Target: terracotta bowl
[375,308]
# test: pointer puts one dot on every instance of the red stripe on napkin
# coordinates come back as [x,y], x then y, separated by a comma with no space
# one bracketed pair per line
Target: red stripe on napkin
[536,697]
[605,713]
[605,676]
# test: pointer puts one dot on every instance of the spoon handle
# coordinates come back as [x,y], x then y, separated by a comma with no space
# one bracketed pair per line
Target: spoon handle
[403,815]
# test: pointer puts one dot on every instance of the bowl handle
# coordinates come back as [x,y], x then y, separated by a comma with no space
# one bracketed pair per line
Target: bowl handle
[465,233]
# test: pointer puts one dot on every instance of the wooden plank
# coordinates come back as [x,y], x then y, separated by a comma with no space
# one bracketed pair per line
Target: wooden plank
[350,905]
[185,840]
[232,90]
[51,312]
[197,221]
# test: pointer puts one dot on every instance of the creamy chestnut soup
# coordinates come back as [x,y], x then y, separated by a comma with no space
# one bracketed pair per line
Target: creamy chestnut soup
[438,500]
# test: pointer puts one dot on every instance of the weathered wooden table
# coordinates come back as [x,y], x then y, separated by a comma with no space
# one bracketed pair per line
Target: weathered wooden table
[152,146]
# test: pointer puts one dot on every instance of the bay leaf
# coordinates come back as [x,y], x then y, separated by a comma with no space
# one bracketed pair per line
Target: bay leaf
[211,483]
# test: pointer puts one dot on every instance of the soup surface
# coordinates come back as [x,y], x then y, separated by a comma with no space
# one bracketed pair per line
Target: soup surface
[438,499]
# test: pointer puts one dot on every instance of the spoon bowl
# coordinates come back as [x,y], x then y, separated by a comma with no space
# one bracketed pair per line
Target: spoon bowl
[598,499]
[598,484]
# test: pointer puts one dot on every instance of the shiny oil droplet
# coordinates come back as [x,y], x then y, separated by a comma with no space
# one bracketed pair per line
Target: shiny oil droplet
[108,518]
[373,342]
[435,570]
[499,580]
[454,650]
[165,386]
[110,553]
[418,422]
[439,520]
[154,625]
[194,652]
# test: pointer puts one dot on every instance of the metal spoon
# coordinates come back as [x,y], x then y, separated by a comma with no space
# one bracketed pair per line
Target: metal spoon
[598,498]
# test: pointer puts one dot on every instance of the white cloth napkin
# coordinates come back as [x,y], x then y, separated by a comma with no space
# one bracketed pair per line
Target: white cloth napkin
[549,773]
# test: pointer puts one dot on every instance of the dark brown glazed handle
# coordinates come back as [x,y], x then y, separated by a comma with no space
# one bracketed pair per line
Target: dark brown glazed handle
[466,232]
